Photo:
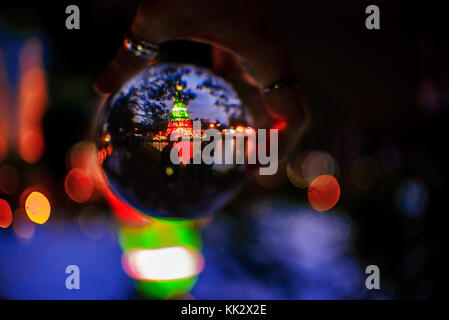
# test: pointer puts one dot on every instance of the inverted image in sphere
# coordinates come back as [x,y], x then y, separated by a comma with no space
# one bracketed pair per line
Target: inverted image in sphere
[152,130]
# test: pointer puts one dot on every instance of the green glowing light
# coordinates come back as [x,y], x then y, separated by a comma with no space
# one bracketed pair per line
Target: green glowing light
[160,234]
[165,289]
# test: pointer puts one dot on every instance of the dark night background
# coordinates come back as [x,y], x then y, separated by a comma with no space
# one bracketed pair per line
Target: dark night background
[368,90]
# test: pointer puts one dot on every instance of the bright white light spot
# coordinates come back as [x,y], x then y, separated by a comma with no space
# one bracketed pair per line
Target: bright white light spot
[169,263]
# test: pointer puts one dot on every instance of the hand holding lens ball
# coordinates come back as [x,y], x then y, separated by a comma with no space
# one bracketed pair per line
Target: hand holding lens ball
[141,115]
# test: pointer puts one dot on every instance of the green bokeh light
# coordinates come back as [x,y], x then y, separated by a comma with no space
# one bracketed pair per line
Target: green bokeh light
[161,234]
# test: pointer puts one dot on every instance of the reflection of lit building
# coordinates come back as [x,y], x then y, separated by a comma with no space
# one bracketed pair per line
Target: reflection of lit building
[180,124]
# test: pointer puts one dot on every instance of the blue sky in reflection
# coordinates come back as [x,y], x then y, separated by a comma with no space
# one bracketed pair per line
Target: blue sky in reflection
[215,98]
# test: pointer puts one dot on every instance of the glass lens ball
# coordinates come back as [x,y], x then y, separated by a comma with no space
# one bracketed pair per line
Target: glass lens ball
[154,132]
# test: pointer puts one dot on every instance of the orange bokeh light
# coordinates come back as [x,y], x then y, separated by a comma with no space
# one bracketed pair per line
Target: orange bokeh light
[5,214]
[32,101]
[78,185]
[5,106]
[324,192]
[37,207]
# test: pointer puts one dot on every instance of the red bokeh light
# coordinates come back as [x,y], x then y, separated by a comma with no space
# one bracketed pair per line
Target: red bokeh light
[123,211]
[78,185]
[32,101]
[31,145]
[5,214]
[324,192]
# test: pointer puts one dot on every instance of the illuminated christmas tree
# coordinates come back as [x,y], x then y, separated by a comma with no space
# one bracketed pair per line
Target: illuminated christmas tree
[180,123]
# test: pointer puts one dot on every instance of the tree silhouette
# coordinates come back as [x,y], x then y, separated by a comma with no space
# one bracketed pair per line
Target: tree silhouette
[121,117]
[152,93]
[150,98]
[222,92]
